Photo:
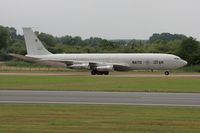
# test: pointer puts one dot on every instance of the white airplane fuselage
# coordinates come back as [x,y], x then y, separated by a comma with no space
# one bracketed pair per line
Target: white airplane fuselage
[134,61]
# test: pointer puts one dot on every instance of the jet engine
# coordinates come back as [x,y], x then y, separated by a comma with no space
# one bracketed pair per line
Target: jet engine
[104,68]
[79,66]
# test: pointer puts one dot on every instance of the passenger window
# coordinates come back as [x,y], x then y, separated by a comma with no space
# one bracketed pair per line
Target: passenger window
[158,62]
[137,62]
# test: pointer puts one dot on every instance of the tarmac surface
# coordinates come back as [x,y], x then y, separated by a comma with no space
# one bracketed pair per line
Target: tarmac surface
[114,74]
[89,97]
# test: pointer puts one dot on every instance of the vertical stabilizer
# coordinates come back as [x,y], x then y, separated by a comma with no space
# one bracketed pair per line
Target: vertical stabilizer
[33,44]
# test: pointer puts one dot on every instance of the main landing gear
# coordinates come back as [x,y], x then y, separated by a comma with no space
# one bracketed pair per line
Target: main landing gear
[95,72]
[167,73]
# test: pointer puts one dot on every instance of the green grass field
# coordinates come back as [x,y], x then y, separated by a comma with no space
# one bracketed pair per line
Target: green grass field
[148,84]
[62,118]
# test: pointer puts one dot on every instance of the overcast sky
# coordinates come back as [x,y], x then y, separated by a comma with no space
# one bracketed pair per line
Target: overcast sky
[110,19]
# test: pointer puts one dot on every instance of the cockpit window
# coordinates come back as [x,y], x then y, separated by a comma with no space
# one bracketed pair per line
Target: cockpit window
[177,58]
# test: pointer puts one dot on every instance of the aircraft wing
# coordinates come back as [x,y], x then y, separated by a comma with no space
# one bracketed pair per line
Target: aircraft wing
[67,62]
[76,64]
[92,64]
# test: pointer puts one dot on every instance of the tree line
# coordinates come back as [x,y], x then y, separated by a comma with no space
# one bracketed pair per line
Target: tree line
[187,48]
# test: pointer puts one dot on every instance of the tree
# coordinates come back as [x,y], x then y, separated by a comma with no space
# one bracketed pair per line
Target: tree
[48,39]
[107,45]
[4,37]
[13,34]
[17,47]
[94,41]
[4,55]
[190,51]
[69,40]
[165,37]
[66,40]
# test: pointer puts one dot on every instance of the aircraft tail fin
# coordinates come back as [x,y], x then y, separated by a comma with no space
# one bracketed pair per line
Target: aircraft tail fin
[33,44]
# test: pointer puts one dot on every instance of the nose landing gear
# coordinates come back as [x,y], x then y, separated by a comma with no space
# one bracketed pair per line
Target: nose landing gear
[167,73]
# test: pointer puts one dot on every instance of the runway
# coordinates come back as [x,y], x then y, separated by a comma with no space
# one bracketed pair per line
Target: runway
[114,74]
[89,97]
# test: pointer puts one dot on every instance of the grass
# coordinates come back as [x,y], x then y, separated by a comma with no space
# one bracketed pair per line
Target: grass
[153,84]
[54,118]
[195,68]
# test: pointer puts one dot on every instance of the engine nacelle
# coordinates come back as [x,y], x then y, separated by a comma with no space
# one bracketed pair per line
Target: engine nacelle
[104,68]
[79,66]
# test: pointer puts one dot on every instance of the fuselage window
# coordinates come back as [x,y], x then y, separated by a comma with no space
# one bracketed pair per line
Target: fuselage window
[158,62]
[137,62]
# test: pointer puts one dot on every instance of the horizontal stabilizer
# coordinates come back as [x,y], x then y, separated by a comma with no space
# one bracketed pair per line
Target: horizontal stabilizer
[35,60]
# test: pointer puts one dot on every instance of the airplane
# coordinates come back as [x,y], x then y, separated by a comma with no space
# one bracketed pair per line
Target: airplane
[99,64]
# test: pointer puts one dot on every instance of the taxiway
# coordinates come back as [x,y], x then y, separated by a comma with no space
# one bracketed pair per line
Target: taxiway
[89,97]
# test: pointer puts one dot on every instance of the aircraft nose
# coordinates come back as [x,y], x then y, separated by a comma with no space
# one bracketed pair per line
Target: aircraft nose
[184,62]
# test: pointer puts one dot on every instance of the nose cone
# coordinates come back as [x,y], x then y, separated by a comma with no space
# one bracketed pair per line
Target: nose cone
[184,63]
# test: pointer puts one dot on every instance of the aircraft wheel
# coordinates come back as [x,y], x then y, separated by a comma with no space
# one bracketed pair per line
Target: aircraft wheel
[93,72]
[100,73]
[106,73]
[166,72]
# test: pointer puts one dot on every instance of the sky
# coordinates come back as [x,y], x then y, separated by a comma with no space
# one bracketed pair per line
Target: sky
[109,19]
